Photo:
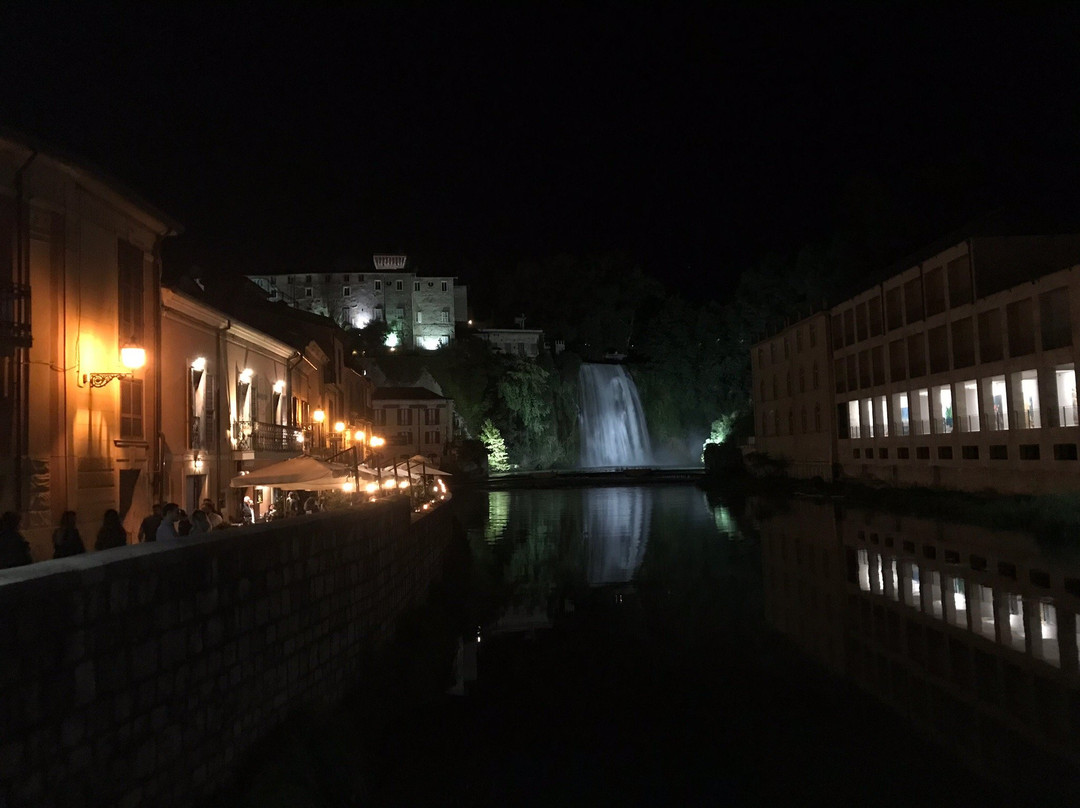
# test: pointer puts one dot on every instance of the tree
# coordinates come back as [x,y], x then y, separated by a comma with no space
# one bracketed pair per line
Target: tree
[496,447]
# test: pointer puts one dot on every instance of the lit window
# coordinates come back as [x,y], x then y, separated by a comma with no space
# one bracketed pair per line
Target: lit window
[419,316]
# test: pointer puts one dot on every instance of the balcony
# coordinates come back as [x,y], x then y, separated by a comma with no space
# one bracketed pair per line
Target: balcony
[14,316]
[257,436]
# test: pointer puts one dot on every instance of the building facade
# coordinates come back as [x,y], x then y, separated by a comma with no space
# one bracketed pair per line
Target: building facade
[793,397]
[414,420]
[79,414]
[419,310]
[958,371]
[520,342]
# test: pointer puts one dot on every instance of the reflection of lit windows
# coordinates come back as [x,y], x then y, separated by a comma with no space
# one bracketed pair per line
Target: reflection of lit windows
[933,593]
[892,587]
[1014,606]
[875,581]
[958,615]
[982,610]
[910,584]
[864,570]
[1045,644]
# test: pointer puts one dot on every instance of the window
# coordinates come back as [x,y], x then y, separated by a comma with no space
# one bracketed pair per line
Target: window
[307,279]
[420,317]
[1065,384]
[445,286]
[444,316]
[1020,319]
[813,335]
[378,286]
[399,285]
[329,278]
[131,408]
[431,416]
[130,291]
[307,292]
[404,417]
[345,291]
[416,286]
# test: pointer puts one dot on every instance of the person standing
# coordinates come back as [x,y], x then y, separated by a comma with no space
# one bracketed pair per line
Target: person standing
[200,523]
[149,526]
[66,538]
[247,513]
[14,549]
[112,533]
[213,516]
[167,529]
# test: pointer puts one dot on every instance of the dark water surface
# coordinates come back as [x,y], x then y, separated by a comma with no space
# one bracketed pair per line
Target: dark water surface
[648,646]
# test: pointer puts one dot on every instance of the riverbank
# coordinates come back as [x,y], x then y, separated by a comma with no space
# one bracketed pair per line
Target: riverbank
[1053,518]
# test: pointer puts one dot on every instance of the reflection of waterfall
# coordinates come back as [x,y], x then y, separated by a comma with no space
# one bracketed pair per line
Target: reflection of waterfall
[613,429]
[616,522]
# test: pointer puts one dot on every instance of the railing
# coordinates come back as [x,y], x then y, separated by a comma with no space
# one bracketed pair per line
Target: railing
[942,426]
[262,437]
[902,428]
[1025,419]
[15,316]
[920,427]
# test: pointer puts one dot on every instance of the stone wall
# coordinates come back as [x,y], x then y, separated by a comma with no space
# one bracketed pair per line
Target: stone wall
[139,676]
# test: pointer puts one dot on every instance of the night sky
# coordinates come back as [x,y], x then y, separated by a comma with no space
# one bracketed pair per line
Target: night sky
[696,138]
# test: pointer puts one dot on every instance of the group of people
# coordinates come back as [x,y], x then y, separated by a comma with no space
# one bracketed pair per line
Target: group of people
[291,505]
[66,540]
[170,521]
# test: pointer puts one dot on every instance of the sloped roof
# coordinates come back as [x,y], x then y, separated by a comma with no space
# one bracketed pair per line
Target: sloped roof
[405,394]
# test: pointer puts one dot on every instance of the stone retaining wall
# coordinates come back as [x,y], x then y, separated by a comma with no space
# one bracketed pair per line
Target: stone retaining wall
[138,676]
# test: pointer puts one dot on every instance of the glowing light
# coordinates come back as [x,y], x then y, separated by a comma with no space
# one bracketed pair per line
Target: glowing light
[132,356]
[391,340]
[299,437]
[359,435]
[347,488]
[279,387]
[245,375]
[376,441]
[198,464]
[371,488]
[339,426]
[429,343]
[388,484]
[199,364]
[403,484]
[318,416]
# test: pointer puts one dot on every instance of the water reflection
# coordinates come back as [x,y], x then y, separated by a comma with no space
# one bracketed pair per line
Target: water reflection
[616,532]
[969,634]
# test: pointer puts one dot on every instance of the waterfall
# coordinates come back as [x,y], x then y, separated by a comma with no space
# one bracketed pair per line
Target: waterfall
[613,430]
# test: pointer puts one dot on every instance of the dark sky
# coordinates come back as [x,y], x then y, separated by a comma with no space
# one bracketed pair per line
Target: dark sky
[698,138]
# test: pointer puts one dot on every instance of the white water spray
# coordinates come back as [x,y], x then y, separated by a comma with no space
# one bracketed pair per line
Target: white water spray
[613,429]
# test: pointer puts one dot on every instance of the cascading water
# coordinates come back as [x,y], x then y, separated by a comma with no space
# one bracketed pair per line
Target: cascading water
[613,429]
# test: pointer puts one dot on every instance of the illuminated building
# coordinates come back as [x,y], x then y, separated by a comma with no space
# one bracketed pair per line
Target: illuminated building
[414,420]
[520,342]
[420,310]
[79,280]
[957,371]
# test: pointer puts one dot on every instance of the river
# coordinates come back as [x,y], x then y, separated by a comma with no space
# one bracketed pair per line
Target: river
[651,645]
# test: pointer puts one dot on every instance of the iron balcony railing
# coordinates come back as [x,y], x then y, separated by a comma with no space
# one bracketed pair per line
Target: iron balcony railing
[15,316]
[257,436]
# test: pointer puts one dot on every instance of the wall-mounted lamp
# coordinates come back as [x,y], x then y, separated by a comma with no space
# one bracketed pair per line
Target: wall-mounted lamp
[359,436]
[198,364]
[198,465]
[318,416]
[245,375]
[279,387]
[339,426]
[132,356]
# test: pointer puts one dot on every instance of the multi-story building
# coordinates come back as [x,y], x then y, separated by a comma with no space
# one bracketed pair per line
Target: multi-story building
[419,310]
[793,397]
[414,420]
[958,370]
[521,342]
[80,344]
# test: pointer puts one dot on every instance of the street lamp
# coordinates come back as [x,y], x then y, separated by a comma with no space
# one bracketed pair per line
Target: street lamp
[318,416]
[132,356]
